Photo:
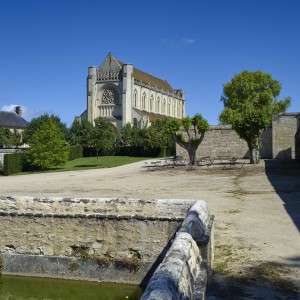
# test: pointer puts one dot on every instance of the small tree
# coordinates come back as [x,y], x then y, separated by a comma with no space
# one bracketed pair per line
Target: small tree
[47,147]
[102,136]
[188,133]
[250,100]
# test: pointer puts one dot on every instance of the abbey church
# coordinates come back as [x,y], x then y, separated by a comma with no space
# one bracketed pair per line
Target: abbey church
[124,94]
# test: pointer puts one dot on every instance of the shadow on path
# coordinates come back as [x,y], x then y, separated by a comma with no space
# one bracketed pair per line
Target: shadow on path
[285,178]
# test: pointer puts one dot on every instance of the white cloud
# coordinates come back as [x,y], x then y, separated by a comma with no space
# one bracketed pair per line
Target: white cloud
[188,41]
[27,113]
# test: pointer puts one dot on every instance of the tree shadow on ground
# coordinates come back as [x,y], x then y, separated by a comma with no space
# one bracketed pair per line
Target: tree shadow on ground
[285,178]
[264,281]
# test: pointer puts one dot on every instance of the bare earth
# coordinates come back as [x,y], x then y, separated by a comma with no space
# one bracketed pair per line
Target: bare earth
[256,209]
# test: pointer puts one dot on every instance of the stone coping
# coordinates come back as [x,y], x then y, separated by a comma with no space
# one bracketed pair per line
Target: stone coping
[98,208]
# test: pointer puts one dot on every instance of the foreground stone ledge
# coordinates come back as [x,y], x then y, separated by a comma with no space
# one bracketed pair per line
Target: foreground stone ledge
[186,268]
[110,239]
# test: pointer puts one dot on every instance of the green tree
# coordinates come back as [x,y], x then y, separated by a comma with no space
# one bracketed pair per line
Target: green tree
[2,137]
[47,146]
[10,139]
[36,123]
[80,133]
[156,136]
[102,137]
[250,101]
[133,136]
[188,133]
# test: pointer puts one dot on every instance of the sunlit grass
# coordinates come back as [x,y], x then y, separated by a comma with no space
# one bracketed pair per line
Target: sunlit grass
[86,163]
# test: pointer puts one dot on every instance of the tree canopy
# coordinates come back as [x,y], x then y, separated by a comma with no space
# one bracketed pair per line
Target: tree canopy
[250,100]
[36,123]
[47,146]
[188,133]
[9,139]
[102,136]
[80,133]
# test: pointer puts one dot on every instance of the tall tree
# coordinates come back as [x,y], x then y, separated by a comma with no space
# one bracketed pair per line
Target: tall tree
[36,123]
[133,136]
[80,133]
[250,100]
[188,133]
[47,146]
[102,136]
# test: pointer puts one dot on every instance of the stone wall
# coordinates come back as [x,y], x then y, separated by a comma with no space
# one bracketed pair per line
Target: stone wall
[285,128]
[168,243]
[281,140]
[103,239]
[220,139]
[185,270]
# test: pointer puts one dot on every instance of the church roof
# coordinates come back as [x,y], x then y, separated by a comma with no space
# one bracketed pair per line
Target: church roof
[152,80]
[111,67]
[12,120]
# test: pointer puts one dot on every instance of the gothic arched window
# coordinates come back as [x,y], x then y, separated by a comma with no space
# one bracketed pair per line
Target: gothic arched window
[134,100]
[163,109]
[144,101]
[151,103]
[169,108]
[158,105]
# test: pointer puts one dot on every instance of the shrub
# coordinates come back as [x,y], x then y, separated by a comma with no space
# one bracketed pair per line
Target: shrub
[13,163]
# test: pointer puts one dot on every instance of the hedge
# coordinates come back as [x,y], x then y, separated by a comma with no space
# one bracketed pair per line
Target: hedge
[76,151]
[13,163]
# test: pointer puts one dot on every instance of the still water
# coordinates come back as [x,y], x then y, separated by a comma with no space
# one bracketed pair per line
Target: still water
[28,288]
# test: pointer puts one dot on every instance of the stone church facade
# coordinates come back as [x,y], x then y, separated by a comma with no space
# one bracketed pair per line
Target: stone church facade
[123,94]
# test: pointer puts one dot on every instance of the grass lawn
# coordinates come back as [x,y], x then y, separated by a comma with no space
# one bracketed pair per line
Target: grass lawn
[91,163]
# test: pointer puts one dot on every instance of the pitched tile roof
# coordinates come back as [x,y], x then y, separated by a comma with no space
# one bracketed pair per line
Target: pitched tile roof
[12,120]
[111,67]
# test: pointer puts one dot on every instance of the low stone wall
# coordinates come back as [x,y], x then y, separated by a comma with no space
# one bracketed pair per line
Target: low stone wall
[185,270]
[113,240]
[65,236]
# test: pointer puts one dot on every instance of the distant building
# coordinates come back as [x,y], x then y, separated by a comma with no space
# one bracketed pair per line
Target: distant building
[13,120]
[124,94]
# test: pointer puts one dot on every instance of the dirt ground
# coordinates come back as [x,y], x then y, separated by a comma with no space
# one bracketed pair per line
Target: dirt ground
[256,209]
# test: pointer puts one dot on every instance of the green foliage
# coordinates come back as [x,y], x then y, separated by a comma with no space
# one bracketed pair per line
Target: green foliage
[132,136]
[250,101]
[80,133]
[75,151]
[36,123]
[47,146]
[192,134]
[153,140]
[13,163]
[102,136]
[10,139]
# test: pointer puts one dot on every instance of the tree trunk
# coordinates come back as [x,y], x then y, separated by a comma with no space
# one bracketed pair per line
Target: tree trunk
[254,155]
[192,155]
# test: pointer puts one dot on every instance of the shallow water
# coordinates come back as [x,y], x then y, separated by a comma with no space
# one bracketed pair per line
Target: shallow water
[21,288]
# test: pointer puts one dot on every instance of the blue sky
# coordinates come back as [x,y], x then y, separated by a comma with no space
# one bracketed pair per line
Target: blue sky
[47,46]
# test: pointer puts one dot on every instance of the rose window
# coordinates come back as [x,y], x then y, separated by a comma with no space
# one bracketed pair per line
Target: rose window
[108,96]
